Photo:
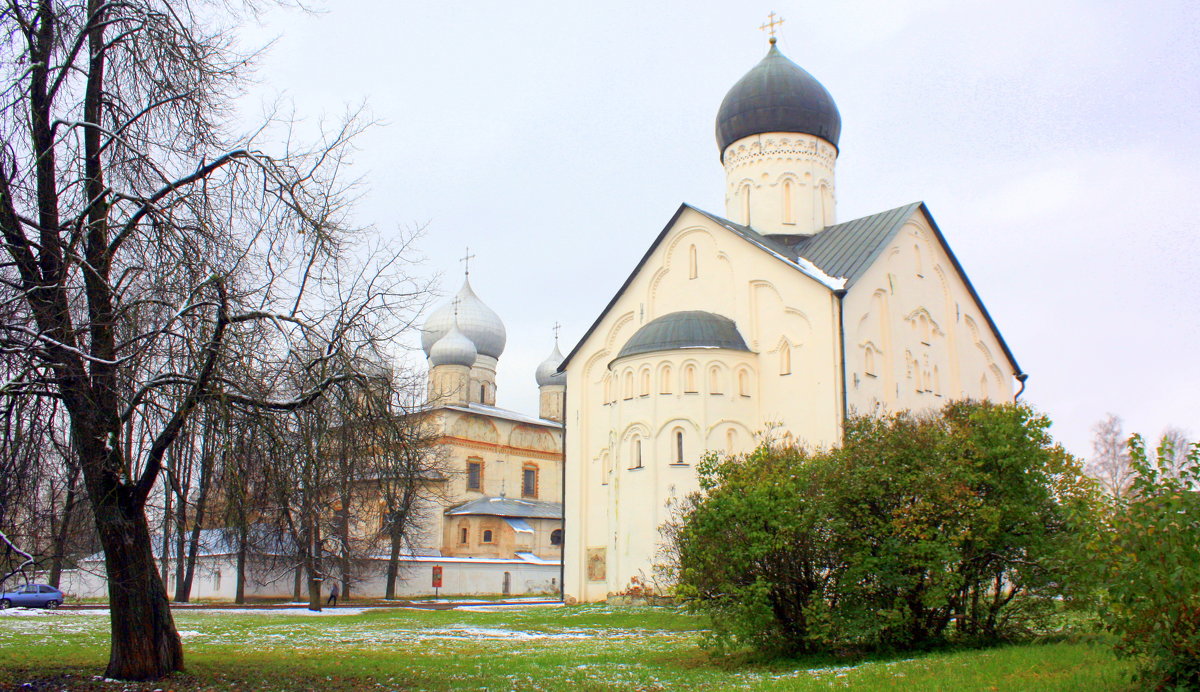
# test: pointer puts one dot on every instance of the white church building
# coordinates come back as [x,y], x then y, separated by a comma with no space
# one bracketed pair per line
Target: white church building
[774,315]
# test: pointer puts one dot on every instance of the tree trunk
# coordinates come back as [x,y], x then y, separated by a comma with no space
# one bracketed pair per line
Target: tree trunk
[239,595]
[145,645]
[393,568]
[180,523]
[197,527]
[344,536]
[165,564]
[60,536]
[314,592]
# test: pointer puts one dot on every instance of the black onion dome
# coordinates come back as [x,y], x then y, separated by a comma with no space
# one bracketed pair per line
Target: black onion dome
[689,329]
[777,96]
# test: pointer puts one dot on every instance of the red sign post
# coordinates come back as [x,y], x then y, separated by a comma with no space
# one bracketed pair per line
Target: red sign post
[437,579]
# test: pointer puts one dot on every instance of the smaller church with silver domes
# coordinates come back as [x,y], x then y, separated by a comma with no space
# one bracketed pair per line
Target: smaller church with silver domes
[500,514]
[773,316]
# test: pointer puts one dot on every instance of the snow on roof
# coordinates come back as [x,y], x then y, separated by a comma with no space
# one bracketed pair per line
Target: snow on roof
[497,412]
[509,507]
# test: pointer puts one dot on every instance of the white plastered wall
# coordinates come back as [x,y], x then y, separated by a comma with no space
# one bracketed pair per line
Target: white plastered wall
[781,182]
[612,510]
[915,337]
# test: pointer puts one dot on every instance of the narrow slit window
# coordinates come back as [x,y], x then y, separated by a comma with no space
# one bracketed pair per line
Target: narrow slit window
[714,381]
[529,481]
[475,475]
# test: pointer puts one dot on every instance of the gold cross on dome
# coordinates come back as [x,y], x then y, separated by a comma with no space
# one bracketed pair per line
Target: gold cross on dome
[771,24]
[466,260]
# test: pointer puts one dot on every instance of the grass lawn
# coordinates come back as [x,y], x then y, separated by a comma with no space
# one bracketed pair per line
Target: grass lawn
[591,647]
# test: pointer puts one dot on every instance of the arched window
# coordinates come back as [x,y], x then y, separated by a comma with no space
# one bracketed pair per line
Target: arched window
[605,468]
[487,536]
[628,384]
[746,204]
[556,537]
[483,393]
[937,381]
[785,359]
[693,269]
[983,386]
[608,388]
[645,391]
[464,533]
[743,379]
[678,446]
[689,379]
[637,453]
[730,440]
[714,380]
[664,380]
[789,214]
[869,361]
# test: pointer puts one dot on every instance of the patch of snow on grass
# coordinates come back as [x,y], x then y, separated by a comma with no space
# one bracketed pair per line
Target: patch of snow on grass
[284,611]
[505,606]
[19,611]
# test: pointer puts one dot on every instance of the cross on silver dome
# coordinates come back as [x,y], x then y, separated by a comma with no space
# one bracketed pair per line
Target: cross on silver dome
[547,373]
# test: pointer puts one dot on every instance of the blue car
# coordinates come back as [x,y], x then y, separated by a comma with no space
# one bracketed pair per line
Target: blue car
[32,596]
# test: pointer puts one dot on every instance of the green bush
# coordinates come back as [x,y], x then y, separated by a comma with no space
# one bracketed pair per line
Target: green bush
[915,530]
[1153,590]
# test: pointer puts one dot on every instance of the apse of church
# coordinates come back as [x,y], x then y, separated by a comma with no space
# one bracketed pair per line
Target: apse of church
[774,317]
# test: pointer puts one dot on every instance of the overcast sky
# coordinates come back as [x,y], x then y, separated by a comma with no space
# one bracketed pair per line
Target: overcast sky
[1056,144]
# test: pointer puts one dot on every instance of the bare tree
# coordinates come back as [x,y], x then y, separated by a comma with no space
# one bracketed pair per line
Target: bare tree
[1172,451]
[409,468]
[1110,463]
[145,246]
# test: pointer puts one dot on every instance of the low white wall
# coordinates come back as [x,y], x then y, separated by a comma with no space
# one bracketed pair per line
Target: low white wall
[216,578]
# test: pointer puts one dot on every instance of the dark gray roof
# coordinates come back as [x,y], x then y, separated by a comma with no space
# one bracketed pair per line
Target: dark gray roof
[509,507]
[847,249]
[687,329]
[777,96]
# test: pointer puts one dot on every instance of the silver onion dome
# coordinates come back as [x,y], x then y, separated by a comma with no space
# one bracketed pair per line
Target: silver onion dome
[475,320]
[547,372]
[454,348]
